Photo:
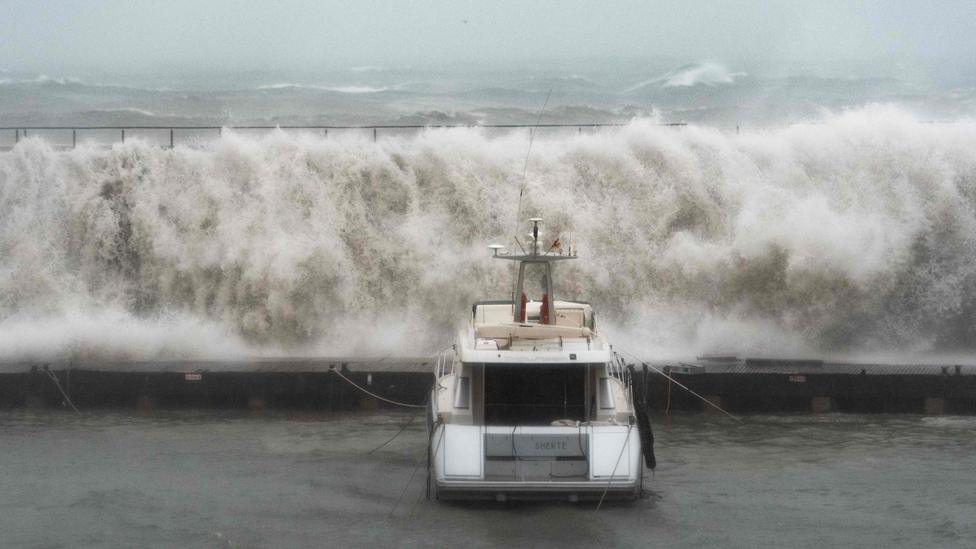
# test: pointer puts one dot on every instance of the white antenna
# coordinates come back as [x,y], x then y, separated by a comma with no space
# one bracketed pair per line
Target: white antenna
[525,166]
[535,234]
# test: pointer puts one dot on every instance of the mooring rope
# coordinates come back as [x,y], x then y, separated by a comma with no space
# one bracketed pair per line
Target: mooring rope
[615,465]
[376,396]
[431,456]
[403,428]
[672,380]
[413,474]
[57,383]
[667,407]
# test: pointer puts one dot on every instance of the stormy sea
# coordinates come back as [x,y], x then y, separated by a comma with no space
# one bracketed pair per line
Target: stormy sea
[797,212]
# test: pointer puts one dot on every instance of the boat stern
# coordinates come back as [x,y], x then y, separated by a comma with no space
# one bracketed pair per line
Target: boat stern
[575,462]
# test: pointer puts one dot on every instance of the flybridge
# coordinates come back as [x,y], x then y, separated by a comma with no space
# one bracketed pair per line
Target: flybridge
[536,331]
[547,312]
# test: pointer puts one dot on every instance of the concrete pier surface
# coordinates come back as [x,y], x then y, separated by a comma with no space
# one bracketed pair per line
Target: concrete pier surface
[736,384]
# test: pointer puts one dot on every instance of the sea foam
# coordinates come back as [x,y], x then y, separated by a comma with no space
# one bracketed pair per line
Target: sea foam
[858,234]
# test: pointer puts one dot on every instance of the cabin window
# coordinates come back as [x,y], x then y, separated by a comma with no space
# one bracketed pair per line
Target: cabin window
[462,392]
[606,394]
[518,394]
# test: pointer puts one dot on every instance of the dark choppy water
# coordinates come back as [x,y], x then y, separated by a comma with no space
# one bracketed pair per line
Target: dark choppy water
[203,479]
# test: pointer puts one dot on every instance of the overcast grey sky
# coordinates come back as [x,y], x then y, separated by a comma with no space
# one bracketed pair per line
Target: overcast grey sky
[212,34]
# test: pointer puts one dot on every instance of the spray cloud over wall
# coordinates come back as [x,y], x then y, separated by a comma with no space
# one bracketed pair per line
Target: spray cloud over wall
[857,234]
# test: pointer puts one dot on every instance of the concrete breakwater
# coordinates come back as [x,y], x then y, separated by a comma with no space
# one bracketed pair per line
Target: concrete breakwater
[256,384]
[738,385]
[770,385]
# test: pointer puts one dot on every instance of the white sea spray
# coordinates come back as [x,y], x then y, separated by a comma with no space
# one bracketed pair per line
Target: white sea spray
[858,234]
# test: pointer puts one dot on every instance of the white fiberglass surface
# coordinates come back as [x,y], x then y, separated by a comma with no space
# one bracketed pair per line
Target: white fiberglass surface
[611,451]
[461,451]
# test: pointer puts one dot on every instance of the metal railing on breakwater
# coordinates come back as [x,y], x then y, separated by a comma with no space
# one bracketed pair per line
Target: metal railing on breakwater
[170,136]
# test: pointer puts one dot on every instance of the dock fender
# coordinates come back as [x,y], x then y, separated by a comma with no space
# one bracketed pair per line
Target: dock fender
[643,416]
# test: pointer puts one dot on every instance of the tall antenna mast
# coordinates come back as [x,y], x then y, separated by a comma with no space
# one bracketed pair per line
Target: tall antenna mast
[525,167]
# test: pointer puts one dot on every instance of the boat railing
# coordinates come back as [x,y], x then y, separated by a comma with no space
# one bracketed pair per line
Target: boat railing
[439,367]
[446,362]
[617,367]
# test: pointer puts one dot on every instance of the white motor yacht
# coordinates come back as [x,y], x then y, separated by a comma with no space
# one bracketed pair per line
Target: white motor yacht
[532,401]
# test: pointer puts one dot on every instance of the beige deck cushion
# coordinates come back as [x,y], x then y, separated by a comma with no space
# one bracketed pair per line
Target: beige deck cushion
[569,317]
[529,331]
[568,313]
[493,313]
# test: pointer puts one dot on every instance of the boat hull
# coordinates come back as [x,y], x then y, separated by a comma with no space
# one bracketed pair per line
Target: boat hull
[504,491]
[535,462]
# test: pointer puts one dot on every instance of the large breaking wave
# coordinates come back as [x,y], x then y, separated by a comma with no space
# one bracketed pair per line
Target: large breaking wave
[855,235]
